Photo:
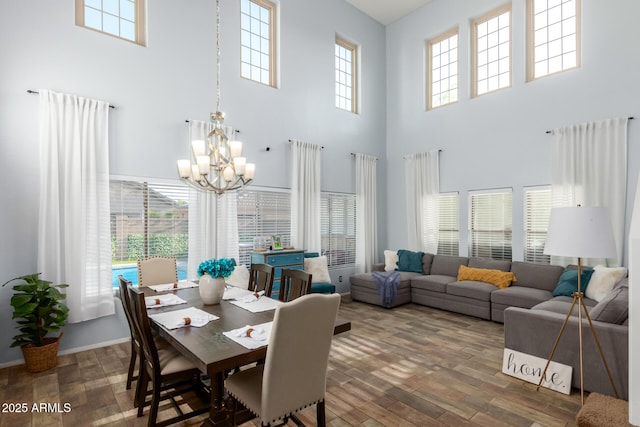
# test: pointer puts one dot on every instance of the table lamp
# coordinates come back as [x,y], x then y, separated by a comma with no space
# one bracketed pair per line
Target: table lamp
[580,232]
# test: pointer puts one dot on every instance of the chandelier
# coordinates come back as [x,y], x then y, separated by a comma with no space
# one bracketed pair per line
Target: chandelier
[218,165]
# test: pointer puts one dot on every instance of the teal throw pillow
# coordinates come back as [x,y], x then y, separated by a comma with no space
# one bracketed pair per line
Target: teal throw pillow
[410,261]
[568,282]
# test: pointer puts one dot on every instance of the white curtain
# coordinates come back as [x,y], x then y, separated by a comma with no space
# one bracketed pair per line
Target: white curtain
[74,235]
[305,196]
[366,212]
[589,168]
[213,219]
[423,200]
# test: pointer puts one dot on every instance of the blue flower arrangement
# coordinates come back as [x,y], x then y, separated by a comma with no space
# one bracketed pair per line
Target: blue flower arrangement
[222,267]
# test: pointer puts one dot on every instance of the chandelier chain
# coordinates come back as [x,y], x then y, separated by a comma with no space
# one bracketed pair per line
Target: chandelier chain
[217,55]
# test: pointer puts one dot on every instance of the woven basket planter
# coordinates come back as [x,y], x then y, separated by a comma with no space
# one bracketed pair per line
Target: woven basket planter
[38,359]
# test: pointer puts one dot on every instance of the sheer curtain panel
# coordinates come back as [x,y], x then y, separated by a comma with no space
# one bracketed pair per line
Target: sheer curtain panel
[366,212]
[305,196]
[589,168]
[74,238]
[423,200]
[213,219]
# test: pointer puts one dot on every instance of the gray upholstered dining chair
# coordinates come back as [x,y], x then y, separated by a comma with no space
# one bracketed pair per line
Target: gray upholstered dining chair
[157,270]
[294,374]
[261,278]
[162,365]
[294,284]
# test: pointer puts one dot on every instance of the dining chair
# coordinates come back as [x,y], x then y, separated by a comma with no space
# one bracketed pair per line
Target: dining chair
[135,340]
[294,375]
[261,278]
[162,365]
[157,270]
[294,284]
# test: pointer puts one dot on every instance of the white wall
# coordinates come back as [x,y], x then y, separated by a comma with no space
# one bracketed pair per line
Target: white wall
[155,88]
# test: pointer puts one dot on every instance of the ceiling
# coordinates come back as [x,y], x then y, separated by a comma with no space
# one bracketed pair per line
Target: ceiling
[387,11]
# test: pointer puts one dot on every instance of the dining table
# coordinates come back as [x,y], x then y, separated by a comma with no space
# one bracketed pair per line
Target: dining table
[210,350]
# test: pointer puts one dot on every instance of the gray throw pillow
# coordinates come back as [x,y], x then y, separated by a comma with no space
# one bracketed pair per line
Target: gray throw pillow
[614,308]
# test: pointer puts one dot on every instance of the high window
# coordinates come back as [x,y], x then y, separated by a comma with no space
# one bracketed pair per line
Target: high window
[537,210]
[120,18]
[147,219]
[449,233]
[490,224]
[346,75]
[491,51]
[338,228]
[442,70]
[257,41]
[553,36]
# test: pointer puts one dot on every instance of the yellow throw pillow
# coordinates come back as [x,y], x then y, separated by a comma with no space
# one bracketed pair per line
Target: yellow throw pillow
[501,279]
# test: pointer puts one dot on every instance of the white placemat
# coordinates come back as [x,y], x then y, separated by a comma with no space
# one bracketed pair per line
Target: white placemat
[232,292]
[163,301]
[251,336]
[261,304]
[183,284]
[178,318]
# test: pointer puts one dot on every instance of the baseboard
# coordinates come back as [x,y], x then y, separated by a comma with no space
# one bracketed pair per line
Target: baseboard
[70,351]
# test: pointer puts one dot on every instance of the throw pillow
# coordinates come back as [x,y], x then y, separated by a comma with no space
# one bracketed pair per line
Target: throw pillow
[239,277]
[499,278]
[318,268]
[568,282]
[603,280]
[410,261]
[614,307]
[390,260]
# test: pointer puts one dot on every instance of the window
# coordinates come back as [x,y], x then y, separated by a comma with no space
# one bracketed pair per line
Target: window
[121,18]
[147,219]
[338,228]
[449,233]
[490,224]
[442,70]
[553,36]
[346,74]
[537,210]
[257,41]
[262,213]
[491,51]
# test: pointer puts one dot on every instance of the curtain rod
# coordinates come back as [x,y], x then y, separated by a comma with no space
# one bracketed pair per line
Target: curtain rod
[353,154]
[292,141]
[439,151]
[630,118]
[36,92]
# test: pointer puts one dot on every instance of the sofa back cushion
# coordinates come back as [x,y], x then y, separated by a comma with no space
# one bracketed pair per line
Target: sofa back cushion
[427,260]
[614,308]
[446,265]
[539,276]
[488,263]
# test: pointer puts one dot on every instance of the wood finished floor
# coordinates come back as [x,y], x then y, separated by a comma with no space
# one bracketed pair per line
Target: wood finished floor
[408,366]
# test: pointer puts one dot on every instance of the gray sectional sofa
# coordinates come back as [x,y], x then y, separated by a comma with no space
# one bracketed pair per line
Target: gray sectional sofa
[532,316]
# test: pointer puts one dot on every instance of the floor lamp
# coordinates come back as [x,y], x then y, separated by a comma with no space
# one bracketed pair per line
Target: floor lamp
[580,232]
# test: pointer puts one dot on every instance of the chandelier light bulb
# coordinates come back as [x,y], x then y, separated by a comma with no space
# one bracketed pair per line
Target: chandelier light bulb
[236,148]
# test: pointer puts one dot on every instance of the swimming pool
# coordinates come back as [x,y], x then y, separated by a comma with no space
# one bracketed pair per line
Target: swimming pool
[130,272]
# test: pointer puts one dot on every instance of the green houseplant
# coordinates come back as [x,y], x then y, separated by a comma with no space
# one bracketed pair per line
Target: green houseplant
[38,306]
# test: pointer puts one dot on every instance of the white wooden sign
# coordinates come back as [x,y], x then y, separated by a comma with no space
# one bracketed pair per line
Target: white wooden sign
[529,368]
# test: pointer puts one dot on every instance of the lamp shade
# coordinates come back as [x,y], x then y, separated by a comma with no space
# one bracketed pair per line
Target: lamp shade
[580,232]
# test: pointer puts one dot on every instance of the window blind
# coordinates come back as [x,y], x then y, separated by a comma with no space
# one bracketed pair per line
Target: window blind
[338,228]
[449,232]
[537,210]
[491,224]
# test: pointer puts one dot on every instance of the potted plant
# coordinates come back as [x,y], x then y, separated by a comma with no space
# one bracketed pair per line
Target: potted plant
[213,273]
[37,304]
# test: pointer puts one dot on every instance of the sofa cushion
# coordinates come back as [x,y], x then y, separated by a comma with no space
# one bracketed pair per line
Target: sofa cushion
[366,280]
[446,265]
[614,308]
[493,264]
[518,296]
[390,260]
[471,289]
[501,279]
[432,282]
[603,280]
[427,260]
[538,276]
[568,282]
[410,261]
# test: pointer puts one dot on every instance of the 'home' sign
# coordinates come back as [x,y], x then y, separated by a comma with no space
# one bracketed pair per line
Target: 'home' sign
[529,368]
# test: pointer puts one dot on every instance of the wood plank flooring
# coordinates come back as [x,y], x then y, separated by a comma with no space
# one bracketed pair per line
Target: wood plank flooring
[407,366]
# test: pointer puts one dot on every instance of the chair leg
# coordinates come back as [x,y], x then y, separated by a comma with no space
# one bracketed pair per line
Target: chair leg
[141,391]
[155,403]
[320,414]
[132,366]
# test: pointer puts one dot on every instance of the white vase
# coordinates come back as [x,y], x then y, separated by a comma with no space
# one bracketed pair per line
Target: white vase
[211,290]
